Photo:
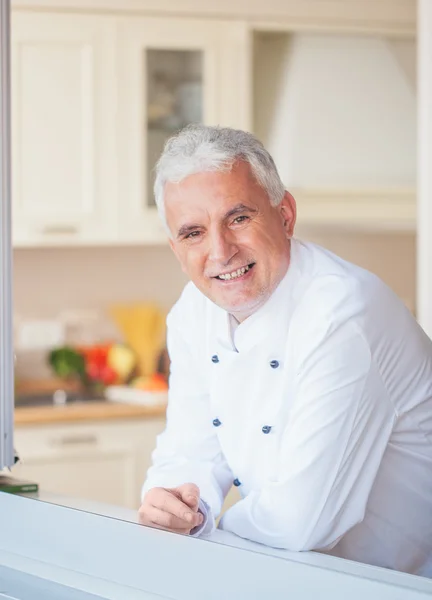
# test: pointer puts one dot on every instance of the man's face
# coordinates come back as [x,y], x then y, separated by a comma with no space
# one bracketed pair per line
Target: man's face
[229,240]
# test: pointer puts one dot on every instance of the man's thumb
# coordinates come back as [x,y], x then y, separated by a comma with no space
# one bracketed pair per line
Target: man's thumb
[190,495]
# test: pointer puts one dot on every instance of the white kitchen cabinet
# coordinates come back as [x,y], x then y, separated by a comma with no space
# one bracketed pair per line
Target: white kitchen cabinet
[88,98]
[171,72]
[63,128]
[101,461]
[232,497]
[96,95]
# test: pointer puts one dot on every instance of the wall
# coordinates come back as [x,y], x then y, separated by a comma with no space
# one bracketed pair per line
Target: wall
[55,283]
[48,281]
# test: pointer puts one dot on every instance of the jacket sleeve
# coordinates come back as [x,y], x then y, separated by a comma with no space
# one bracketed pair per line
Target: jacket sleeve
[337,431]
[188,451]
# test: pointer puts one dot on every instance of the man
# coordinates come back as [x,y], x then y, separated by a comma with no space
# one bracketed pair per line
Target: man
[296,376]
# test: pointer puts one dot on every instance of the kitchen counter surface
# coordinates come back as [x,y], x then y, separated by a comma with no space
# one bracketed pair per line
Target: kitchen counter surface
[85,411]
[109,556]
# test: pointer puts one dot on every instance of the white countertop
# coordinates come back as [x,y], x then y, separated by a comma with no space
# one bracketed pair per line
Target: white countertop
[100,549]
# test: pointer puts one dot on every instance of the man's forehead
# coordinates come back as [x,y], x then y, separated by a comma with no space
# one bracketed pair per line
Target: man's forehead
[185,208]
[180,198]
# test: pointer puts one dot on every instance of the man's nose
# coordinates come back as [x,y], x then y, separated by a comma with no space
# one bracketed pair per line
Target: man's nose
[222,247]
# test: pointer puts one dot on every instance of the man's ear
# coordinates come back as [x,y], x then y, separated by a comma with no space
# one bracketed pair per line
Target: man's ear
[288,210]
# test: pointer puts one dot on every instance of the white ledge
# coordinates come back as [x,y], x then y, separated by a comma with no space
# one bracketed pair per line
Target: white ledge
[113,558]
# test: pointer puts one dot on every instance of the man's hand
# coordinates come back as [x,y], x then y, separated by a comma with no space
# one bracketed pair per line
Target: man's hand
[172,509]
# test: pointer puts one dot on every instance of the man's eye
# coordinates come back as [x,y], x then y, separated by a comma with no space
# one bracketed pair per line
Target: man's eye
[240,219]
[192,234]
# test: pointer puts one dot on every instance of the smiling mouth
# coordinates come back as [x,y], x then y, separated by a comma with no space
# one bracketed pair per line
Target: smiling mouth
[235,274]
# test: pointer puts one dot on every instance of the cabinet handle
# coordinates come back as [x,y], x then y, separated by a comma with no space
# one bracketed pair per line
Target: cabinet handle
[70,440]
[60,230]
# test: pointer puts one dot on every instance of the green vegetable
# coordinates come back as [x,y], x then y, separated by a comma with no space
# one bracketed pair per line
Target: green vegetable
[67,362]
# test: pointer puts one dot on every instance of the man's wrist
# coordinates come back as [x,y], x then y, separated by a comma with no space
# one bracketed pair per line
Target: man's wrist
[208,524]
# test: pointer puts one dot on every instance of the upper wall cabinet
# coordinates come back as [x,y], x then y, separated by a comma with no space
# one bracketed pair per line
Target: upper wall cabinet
[63,129]
[96,96]
[94,99]
[171,72]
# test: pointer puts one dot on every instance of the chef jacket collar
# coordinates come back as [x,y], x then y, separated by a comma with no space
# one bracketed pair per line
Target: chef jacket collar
[270,322]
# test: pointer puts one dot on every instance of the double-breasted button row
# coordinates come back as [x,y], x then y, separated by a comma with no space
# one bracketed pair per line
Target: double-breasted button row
[265,428]
[273,363]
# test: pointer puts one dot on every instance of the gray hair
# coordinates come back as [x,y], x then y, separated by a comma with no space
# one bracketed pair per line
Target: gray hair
[200,148]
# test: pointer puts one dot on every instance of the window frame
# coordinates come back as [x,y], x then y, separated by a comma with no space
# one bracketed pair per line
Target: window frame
[6,329]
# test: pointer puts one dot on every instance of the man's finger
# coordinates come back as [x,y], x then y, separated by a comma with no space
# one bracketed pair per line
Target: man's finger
[190,495]
[163,520]
[171,504]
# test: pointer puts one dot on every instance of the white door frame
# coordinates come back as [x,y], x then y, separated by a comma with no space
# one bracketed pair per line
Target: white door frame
[6,343]
[424,192]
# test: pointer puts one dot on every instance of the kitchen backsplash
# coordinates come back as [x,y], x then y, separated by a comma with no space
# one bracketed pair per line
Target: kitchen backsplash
[50,282]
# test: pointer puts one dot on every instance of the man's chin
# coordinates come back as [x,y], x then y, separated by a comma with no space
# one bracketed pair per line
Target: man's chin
[234,302]
[240,309]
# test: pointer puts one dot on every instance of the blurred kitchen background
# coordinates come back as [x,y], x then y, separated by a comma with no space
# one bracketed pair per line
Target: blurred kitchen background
[97,87]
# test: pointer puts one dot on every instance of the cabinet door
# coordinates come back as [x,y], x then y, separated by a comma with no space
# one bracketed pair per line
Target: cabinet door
[105,477]
[172,72]
[146,437]
[100,461]
[80,461]
[63,128]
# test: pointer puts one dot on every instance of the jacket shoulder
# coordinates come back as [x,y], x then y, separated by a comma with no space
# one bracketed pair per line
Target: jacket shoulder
[333,286]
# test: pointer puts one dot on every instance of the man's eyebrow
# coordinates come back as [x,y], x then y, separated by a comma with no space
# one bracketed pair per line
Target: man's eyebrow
[185,229]
[239,208]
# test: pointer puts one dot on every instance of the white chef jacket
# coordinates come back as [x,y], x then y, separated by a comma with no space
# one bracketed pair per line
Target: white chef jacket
[319,408]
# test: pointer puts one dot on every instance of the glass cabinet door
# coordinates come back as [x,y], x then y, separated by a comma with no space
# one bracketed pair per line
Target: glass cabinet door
[171,72]
[174,99]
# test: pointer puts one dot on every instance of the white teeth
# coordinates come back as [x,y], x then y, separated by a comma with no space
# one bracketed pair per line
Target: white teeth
[234,274]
